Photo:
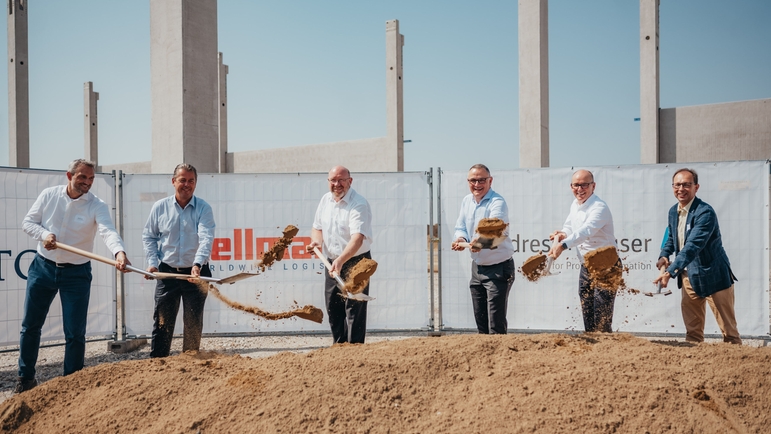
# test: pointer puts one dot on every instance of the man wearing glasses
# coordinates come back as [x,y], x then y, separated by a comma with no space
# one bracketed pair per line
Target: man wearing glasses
[342,228]
[492,270]
[589,226]
[701,265]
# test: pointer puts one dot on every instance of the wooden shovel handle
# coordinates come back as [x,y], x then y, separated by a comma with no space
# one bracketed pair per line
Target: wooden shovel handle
[96,257]
[329,267]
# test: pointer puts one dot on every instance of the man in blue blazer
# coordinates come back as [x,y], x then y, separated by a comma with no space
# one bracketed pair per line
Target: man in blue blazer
[701,265]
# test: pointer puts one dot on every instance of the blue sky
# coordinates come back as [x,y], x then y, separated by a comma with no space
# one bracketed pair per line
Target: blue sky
[305,72]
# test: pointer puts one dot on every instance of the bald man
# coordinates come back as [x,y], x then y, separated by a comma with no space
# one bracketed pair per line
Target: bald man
[342,228]
[589,226]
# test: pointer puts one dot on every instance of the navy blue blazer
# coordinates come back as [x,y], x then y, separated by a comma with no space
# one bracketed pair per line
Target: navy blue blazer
[708,267]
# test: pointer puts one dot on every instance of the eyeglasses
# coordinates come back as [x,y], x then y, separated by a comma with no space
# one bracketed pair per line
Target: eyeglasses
[682,185]
[338,181]
[478,181]
[583,185]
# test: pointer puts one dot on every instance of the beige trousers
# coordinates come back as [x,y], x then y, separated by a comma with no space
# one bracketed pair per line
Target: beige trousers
[695,313]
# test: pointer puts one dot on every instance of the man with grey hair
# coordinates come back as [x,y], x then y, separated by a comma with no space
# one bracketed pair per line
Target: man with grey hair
[492,270]
[72,215]
[178,238]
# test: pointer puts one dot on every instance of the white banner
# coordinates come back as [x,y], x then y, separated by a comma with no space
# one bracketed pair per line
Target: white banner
[251,211]
[639,198]
[20,189]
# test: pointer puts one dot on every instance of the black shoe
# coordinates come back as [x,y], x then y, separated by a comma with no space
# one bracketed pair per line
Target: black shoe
[23,385]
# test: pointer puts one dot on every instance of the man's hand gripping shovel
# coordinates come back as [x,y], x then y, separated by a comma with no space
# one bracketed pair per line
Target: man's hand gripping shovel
[340,283]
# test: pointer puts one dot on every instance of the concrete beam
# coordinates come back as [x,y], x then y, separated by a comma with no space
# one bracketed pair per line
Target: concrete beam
[91,122]
[364,155]
[394,97]
[18,84]
[222,109]
[649,82]
[127,346]
[533,83]
[183,63]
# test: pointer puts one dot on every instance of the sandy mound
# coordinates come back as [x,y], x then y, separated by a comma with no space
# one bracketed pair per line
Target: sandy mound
[359,274]
[276,251]
[533,267]
[604,268]
[491,228]
[453,384]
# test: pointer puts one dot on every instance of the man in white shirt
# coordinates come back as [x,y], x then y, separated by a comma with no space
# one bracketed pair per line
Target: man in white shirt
[342,227]
[492,270]
[72,215]
[178,238]
[589,226]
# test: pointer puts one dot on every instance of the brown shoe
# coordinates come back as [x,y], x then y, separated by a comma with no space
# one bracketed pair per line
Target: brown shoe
[23,385]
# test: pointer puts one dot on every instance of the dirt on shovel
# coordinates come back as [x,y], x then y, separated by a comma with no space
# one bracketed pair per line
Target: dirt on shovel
[491,227]
[533,267]
[358,276]
[605,269]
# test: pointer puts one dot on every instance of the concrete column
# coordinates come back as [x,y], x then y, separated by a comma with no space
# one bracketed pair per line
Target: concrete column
[222,109]
[183,63]
[649,81]
[91,122]
[18,85]
[394,96]
[533,83]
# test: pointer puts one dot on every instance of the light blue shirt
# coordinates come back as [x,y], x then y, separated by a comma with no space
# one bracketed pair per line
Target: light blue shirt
[493,205]
[179,237]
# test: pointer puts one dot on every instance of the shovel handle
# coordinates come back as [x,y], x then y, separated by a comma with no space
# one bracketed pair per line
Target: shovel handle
[96,257]
[329,266]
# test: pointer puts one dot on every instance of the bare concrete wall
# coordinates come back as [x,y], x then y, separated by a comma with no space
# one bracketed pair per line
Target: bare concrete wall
[365,155]
[716,132]
[142,167]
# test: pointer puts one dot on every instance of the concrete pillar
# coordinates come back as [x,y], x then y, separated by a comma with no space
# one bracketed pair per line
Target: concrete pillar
[394,96]
[183,63]
[533,83]
[222,109]
[649,82]
[90,122]
[18,85]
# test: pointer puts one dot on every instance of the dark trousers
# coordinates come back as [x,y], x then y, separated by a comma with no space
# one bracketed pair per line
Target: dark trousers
[74,287]
[596,304]
[490,286]
[347,318]
[167,295]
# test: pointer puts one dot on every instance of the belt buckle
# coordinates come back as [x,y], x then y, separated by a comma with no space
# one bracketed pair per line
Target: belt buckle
[58,265]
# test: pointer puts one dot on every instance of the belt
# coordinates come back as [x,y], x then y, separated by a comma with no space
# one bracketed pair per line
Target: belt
[184,270]
[60,265]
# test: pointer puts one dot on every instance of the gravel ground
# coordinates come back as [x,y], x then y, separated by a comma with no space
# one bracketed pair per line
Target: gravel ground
[50,359]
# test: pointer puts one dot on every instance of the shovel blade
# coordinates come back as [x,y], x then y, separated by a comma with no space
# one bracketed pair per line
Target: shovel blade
[235,278]
[360,296]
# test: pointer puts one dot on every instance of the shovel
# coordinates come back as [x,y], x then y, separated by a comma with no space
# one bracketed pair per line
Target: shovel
[231,280]
[484,243]
[547,269]
[340,283]
[658,291]
[95,257]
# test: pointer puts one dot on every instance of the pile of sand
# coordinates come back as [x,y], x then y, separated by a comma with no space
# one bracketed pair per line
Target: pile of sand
[358,276]
[605,269]
[533,267]
[453,384]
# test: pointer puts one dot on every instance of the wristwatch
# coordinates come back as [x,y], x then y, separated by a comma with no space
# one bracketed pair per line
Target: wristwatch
[197,265]
[564,246]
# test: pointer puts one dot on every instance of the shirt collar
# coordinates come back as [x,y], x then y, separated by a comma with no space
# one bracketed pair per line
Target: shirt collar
[588,201]
[192,202]
[687,207]
[487,196]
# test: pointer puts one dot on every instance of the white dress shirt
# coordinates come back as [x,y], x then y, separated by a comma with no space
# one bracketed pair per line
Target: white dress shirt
[176,236]
[73,221]
[338,221]
[493,205]
[589,226]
